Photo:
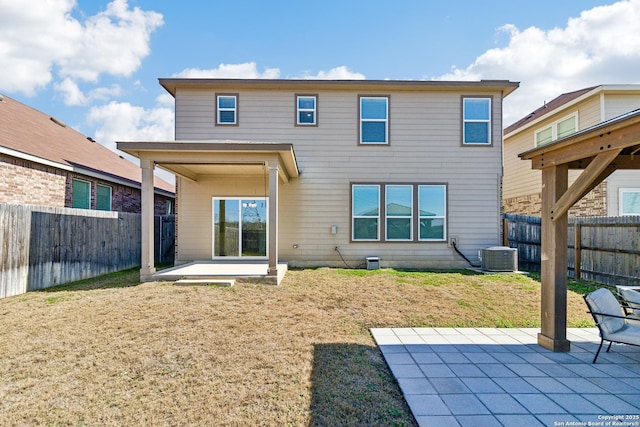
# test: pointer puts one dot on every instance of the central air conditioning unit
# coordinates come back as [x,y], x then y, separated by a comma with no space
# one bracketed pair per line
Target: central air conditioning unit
[499,258]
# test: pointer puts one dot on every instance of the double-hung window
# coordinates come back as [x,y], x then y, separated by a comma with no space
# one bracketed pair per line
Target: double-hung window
[103,197]
[81,194]
[227,109]
[476,126]
[629,201]
[391,212]
[560,129]
[365,206]
[306,110]
[374,120]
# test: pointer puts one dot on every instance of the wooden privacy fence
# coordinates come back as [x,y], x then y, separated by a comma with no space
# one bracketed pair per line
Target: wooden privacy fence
[602,249]
[46,246]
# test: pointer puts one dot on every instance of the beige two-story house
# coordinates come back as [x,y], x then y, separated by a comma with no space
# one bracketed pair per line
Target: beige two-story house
[329,173]
[617,195]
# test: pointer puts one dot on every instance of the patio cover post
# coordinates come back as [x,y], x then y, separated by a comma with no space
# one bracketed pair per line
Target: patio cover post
[147,260]
[553,335]
[273,167]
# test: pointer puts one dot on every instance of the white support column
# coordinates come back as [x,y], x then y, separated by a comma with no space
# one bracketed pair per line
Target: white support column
[273,217]
[147,267]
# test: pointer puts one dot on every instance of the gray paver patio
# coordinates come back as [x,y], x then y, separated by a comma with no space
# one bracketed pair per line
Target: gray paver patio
[502,377]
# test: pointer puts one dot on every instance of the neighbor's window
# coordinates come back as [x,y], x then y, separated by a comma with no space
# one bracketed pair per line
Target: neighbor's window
[432,212]
[227,109]
[81,197]
[103,197]
[399,212]
[629,201]
[306,110]
[559,129]
[374,120]
[365,207]
[476,127]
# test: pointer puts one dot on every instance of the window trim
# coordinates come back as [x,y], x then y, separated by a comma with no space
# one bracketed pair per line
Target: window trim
[353,217]
[88,193]
[554,128]
[387,216]
[415,215]
[236,110]
[110,197]
[621,191]
[298,110]
[387,121]
[489,122]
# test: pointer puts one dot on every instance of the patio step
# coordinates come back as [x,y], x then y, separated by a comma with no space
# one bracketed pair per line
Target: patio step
[203,281]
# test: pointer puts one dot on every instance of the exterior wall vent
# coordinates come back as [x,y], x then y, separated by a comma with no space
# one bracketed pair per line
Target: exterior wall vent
[499,258]
[373,263]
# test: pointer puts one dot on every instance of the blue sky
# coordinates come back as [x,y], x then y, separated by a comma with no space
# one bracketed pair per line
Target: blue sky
[94,64]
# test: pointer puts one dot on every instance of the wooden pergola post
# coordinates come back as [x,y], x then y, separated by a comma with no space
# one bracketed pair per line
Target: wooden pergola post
[553,332]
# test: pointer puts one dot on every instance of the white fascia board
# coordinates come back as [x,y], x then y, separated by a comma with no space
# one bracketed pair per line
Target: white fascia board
[35,159]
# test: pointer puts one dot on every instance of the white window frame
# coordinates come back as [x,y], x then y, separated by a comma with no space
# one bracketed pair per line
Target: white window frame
[313,110]
[220,110]
[354,217]
[443,217]
[487,121]
[110,196]
[387,216]
[622,191]
[363,120]
[554,128]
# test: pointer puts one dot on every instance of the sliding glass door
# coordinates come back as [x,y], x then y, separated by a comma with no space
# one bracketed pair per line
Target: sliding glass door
[239,227]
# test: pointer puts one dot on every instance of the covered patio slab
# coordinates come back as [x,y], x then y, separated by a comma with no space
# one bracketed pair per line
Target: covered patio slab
[240,271]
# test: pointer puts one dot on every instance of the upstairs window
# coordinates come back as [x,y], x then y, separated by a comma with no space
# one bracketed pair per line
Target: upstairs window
[476,126]
[629,200]
[81,196]
[306,113]
[374,120]
[559,129]
[103,198]
[227,109]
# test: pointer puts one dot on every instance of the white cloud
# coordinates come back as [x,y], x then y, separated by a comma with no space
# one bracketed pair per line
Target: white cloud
[601,46]
[38,37]
[247,70]
[71,93]
[337,73]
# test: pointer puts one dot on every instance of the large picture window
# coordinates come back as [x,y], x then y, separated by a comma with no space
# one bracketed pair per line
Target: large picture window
[392,212]
[476,126]
[374,120]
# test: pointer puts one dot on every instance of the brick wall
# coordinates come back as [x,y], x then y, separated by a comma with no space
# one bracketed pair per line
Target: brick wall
[25,182]
[593,204]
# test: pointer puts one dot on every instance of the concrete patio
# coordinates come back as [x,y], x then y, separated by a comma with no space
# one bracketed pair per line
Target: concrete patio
[211,271]
[502,377]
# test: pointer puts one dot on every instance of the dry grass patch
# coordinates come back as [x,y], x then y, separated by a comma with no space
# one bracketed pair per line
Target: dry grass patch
[106,352]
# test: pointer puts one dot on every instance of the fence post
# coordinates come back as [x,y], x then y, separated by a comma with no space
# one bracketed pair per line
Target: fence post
[577,250]
[505,231]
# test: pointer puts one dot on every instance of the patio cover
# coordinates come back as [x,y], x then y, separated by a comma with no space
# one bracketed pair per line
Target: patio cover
[598,151]
[191,159]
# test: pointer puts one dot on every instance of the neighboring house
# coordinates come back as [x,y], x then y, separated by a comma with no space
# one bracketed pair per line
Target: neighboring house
[618,194]
[44,162]
[312,172]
